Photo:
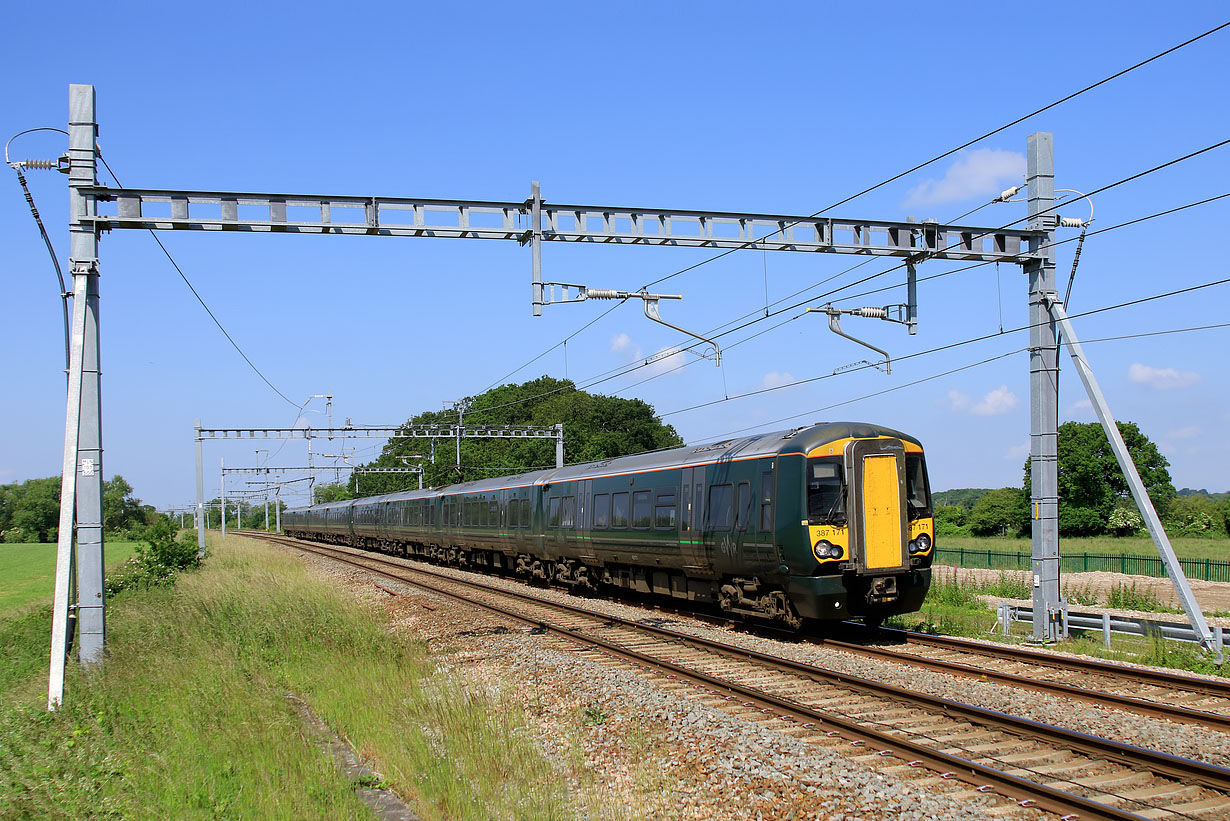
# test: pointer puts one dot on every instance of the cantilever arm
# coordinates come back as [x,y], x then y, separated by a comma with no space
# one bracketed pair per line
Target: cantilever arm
[651,311]
[835,327]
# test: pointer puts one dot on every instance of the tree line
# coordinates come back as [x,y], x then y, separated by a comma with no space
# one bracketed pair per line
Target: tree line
[1094,498]
[30,510]
[595,427]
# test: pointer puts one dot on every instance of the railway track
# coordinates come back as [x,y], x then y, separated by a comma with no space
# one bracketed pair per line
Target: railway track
[1171,696]
[1035,765]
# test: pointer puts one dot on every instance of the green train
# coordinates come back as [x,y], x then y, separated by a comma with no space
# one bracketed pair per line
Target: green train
[829,521]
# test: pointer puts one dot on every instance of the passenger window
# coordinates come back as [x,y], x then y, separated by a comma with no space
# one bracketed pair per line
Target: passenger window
[721,502]
[664,511]
[568,513]
[743,509]
[642,508]
[493,514]
[602,511]
[525,513]
[619,510]
[553,512]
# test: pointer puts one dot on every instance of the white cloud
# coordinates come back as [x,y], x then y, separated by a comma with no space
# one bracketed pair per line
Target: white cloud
[1017,453]
[957,400]
[666,359]
[623,342]
[774,379]
[979,173]
[999,401]
[1162,379]
[1189,432]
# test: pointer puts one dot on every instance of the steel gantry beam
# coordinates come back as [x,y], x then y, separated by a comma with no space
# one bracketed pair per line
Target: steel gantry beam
[535,221]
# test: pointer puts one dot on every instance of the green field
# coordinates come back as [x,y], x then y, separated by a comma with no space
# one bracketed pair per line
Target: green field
[189,717]
[27,571]
[1187,547]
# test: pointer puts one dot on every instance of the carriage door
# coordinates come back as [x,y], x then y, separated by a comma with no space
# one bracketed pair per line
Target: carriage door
[880,533]
[696,559]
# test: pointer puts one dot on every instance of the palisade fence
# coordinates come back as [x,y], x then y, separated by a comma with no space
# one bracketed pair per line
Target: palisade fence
[1209,570]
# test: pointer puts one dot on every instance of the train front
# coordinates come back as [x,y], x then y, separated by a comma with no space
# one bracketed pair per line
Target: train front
[862,543]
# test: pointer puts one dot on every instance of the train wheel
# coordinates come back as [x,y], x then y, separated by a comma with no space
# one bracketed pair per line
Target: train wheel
[873,622]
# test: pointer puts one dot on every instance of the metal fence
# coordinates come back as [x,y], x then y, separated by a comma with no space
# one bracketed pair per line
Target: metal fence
[1209,570]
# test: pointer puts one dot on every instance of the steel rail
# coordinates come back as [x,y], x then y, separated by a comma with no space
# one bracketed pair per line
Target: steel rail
[1183,770]
[1170,680]
[1132,704]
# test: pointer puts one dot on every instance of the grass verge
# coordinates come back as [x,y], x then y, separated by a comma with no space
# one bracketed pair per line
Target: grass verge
[29,570]
[954,608]
[189,717]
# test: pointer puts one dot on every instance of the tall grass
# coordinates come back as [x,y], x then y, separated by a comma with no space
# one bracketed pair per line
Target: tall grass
[189,717]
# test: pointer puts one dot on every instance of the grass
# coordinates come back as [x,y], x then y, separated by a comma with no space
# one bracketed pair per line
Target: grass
[27,572]
[189,718]
[954,608]
[1186,547]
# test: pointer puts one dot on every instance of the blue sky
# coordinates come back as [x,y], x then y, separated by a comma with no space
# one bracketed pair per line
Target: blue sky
[775,108]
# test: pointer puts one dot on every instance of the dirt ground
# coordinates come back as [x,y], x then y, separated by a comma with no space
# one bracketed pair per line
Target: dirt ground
[1214,597]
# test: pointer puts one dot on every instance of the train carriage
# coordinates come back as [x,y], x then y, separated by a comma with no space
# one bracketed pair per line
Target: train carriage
[829,521]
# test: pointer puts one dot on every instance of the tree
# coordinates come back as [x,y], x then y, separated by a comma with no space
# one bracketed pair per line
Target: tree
[950,520]
[1090,480]
[1000,512]
[32,510]
[121,511]
[331,493]
[595,427]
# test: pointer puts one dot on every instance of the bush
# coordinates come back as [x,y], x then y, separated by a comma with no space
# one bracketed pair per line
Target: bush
[157,561]
[1124,522]
[18,535]
[1000,512]
[950,521]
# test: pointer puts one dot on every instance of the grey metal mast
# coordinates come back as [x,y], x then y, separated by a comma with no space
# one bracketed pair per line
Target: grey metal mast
[201,521]
[1049,606]
[81,475]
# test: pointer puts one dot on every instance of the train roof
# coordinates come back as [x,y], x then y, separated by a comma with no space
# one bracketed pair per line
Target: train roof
[800,440]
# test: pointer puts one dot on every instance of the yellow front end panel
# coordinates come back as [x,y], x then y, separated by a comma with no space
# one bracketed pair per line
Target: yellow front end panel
[881,512]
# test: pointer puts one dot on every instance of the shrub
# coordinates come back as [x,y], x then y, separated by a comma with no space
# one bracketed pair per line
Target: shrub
[157,561]
[1124,522]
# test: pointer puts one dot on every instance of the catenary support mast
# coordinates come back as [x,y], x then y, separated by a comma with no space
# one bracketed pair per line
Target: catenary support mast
[81,477]
[1049,606]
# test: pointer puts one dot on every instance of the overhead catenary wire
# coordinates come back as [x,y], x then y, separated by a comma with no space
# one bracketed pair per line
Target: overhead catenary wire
[951,346]
[965,145]
[42,230]
[894,178]
[933,377]
[615,373]
[201,300]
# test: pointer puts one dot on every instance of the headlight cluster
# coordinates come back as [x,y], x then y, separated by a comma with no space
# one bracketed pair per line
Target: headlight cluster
[920,545]
[828,550]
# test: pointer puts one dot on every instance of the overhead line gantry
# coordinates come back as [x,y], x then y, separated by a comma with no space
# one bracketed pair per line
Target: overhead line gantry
[95,209]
